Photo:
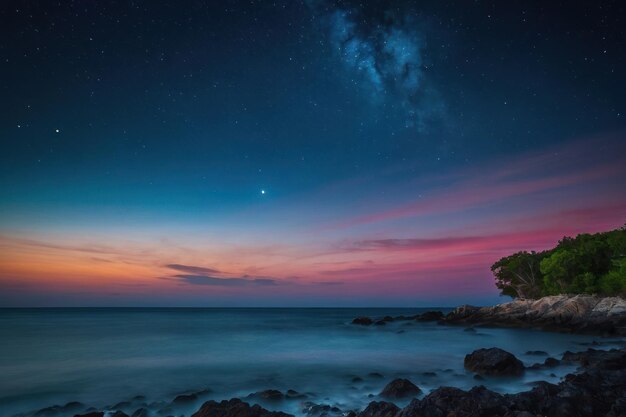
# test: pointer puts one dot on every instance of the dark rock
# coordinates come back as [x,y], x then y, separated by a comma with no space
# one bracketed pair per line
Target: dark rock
[91,414]
[292,395]
[448,401]
[380,323]
[119,413]
[429,374]
[493,361]
[321,410]
[268,395]
[551,362]
[537,353]
[388,318]
[357,379]
[375,375]
[141,412]
[235,408]
[363,321]
[380,409]
[430,316]
[469,330]
[400,388]
[185,399]
[54,410]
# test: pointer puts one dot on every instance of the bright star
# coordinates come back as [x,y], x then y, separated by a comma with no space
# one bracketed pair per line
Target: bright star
[57,130]
[262,191]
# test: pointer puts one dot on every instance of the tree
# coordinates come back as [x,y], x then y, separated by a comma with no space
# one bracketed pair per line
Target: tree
[519,275]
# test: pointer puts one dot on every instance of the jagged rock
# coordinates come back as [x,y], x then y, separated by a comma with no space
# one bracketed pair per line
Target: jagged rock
[141,412]
[380,409]
[235,408]
[579,313]
[363,321]
[493,361]
[118,413]
[91,414]
[400,388]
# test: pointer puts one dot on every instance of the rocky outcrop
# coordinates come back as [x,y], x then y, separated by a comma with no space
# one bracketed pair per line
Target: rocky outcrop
[579,313]
[494,362]
[426,316]
[380,409]
[400,388]
[598,390]
[235,408]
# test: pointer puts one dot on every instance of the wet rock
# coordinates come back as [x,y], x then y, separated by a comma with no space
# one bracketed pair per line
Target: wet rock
[448,401]
[185,399]
[357,379]
[493,361]
[293,395]
[91,414]
[537,353]
[400,388]
[380,409]
[380,323]
[375,375]
[363,321]
[321,410]
[235,408]
[268,395]
[430,316]
[119,413]
[71,407]
[141,412]
[551,362]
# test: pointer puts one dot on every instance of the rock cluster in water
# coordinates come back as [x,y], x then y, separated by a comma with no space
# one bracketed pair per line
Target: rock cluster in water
[578,313]
[598,389]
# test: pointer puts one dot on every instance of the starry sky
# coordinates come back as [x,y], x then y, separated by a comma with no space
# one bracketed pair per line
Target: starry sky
[316,153]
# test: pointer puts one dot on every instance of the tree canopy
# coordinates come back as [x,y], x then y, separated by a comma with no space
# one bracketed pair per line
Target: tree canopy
[586,264]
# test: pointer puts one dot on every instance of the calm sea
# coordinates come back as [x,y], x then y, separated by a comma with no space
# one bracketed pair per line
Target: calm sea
[103,356]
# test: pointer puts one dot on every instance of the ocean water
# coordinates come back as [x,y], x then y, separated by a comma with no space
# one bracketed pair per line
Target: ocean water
[101,357]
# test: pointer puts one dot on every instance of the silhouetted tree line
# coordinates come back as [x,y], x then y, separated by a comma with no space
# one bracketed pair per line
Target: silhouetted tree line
[588,263]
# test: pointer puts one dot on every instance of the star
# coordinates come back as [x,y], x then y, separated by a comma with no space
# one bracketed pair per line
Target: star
[57,130]
[262,191]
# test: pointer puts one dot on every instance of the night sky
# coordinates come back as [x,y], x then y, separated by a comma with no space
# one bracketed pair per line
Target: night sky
[230,153]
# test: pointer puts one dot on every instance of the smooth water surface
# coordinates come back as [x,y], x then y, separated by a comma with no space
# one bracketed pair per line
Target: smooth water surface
[103,356]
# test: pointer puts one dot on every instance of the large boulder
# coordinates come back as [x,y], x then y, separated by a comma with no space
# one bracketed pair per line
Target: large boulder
[235,408]
[493,361]
[400,388]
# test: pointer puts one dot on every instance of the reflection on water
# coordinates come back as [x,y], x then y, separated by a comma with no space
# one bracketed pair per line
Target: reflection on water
[103,356]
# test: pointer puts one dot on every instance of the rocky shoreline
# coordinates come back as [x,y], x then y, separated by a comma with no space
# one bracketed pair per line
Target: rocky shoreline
[598,388]
[576,314]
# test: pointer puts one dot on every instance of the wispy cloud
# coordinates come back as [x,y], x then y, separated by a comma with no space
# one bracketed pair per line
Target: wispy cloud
[224,282]
[191,269]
